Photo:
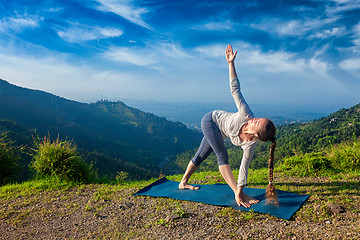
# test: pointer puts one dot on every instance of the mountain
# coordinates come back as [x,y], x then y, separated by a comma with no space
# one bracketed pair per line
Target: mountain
[113,135]
[343,125]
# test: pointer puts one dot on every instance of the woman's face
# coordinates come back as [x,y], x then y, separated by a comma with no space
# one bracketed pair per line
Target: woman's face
[256,124]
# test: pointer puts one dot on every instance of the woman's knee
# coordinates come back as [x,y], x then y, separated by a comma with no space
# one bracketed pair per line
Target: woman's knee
[223,158]
[197,161]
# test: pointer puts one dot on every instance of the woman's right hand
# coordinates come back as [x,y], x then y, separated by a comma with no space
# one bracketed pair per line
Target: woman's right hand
[240,200]
[244,200]
[229,54]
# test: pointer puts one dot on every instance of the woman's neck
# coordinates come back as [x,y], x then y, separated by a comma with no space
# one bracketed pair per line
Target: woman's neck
[245,135]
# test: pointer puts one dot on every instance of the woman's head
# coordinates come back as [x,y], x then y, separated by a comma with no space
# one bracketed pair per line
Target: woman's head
[266,131]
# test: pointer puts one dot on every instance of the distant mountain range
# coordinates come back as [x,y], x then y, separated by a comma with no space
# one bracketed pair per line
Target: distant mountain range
[113,135]
[192,113]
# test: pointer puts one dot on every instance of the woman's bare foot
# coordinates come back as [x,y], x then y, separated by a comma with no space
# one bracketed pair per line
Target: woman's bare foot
[183,185]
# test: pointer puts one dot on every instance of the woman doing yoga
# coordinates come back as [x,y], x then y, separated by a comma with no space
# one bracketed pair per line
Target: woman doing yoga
[244,130]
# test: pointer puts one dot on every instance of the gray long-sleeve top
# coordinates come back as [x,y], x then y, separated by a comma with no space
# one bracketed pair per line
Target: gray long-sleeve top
[230,125]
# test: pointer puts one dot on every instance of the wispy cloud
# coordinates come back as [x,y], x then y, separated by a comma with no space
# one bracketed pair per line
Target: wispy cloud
[125,9]
[328,23]
[350,64]
[19,23]
[327,33]
[341,6]
[299,27]
[215,26]
[213,50]
[356,37]
[77,33]
[133,56]
[154,56]
[275,61]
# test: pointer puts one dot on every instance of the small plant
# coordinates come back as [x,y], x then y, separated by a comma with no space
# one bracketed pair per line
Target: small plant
[59,159]
[121,176]
[161,221]
[9,158]
[249,215]
[182,213]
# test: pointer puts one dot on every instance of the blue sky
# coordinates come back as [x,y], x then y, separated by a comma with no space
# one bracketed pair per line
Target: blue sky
[300,54]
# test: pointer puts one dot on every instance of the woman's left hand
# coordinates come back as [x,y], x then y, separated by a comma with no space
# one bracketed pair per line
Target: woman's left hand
[229,54]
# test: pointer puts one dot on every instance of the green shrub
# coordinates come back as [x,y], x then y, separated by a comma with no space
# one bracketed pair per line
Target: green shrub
[309,164]
[9,159]
[346,156]
[59,159]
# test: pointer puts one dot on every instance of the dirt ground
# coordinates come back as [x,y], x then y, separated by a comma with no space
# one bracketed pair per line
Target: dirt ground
[109,212]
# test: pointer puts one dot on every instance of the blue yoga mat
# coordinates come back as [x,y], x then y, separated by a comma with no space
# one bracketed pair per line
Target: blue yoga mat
[222,195]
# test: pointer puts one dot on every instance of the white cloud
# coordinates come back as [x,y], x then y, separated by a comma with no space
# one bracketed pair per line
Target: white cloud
[319,67]
[282,28]
[292,28]
[327,33]
[341,6]
[154,56]
[19,23]
[275,61]
[350,64]
[213,51]
[215,26]
[125,9]
[81,33]
[316,27]
[139,57]
[356,35]
[324,26]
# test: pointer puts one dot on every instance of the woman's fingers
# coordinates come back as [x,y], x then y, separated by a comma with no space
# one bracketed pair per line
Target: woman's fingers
[229,48]
[245,204]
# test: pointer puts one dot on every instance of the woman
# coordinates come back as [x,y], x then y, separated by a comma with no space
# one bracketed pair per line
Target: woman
[243,130]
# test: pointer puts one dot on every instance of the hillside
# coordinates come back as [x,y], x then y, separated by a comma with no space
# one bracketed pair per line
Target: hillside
[306,137]
[114,136]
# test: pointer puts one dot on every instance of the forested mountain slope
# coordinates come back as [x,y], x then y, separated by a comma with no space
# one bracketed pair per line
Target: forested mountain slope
[113,135]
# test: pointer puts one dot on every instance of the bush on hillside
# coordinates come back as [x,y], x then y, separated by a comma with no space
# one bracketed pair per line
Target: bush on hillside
[9,159]
[344,157]
[59,159]
[307,165]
